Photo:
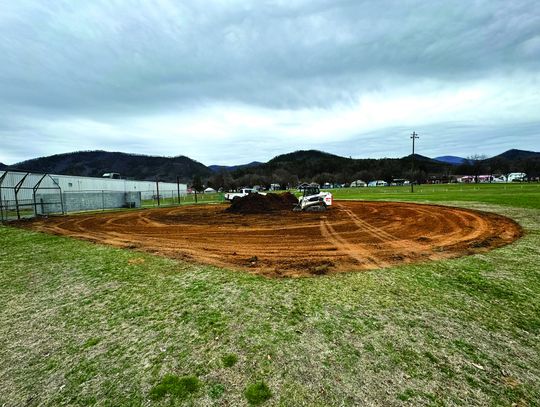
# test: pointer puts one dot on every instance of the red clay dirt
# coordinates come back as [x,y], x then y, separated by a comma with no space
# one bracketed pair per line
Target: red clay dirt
[350,236]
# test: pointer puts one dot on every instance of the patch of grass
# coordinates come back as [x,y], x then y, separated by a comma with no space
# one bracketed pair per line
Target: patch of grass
[522,195]
[83,323]
[257,393]
[216,391]
[91,342]
[169,199]
[229,360]
[406,395]
[176,387]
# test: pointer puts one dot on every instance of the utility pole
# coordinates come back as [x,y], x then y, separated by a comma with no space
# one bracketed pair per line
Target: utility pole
[414,136]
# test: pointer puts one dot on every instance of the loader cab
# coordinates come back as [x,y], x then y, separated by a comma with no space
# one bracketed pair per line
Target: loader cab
[308,191]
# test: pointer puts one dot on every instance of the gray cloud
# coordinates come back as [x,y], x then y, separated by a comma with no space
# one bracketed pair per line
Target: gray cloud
[73,71]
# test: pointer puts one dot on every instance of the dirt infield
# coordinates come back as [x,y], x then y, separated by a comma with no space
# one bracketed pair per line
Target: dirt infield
[351,236]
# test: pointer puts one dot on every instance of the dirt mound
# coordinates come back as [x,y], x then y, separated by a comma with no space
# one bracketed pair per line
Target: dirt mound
[257,203]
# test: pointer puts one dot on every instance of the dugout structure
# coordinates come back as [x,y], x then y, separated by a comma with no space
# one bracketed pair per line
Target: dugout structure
[28,195]
[25,194]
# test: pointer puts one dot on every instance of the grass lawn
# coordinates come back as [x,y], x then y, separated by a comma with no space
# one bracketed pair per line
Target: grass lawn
[171,199]
[522,195]
[85,324]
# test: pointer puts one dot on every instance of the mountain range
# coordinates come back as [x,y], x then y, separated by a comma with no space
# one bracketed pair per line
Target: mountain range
[96,163]
[219,168]
[451,159]
[510,155]
[303,164]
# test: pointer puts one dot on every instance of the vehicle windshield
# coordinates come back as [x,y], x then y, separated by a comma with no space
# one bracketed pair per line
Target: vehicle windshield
[311,191]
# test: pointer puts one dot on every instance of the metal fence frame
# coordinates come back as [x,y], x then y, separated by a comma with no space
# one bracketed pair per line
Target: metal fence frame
[27,194]
[28,185]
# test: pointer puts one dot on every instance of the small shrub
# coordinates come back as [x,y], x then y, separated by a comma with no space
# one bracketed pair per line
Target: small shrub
[406,395]
[257,393]
[91,342]
[178,387]
[216,391]
[229,360]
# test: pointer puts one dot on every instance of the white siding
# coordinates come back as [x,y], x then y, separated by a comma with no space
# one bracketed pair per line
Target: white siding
[72,183]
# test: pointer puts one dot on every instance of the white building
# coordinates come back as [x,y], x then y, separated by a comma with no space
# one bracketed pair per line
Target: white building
[358,183]
[516,177]
[378,183]
[148,189]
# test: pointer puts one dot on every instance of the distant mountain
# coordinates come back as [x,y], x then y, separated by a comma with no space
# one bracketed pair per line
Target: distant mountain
[96,163]
[420,158]
[302,165]
[517,155]
[3,166]
[318,165]
[306,163]
[450,159]
[219,168]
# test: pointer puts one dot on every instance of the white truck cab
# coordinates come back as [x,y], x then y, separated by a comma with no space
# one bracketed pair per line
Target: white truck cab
[229,196]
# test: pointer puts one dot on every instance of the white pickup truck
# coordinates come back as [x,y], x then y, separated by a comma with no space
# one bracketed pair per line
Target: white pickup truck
[229,196]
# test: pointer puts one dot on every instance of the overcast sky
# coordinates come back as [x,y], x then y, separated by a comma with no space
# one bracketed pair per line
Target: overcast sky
[229,82]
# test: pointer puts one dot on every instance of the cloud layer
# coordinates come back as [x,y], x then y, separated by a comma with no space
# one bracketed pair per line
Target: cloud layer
[230,82]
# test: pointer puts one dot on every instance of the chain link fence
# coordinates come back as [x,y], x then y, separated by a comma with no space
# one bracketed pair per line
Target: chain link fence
[26,195]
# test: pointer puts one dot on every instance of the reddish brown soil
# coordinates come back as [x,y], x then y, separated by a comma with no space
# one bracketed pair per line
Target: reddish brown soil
[350,236]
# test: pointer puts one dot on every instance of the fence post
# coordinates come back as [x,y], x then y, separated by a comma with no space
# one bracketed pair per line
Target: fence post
[1,199]
[62,202]
[16,190]
[1,204]
[178,189]
[17,205]
[157,190]
[61,195]
[34,189]
[102,200]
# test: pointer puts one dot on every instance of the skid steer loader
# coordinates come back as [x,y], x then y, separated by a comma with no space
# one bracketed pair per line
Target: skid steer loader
[314,200]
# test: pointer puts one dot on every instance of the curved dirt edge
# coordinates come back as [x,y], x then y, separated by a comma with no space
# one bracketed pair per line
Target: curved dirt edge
[353,236]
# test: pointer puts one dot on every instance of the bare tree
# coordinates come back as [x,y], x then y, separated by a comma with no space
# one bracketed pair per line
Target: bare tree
[477,164]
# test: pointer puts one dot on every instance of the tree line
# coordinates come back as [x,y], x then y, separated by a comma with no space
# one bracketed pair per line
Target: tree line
[322,168]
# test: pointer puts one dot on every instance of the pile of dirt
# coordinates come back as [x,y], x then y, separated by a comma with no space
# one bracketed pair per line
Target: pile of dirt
[257,203]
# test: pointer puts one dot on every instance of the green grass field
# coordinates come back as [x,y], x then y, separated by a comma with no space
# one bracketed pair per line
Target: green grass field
[87,324]
[521,195]
[170,200]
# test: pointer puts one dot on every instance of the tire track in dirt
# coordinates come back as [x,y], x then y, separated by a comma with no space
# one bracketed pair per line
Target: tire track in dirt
[356,252]
[376,232]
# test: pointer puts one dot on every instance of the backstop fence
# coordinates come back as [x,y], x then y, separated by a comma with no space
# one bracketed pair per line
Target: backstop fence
[24,195]
[27,195]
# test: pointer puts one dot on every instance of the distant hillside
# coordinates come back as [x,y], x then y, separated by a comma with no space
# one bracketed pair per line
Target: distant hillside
[515,155]
[515,161]
[421,158]
[218,168]
[450,159]
[305,165]
[285,169]
[3,166]
[96,163]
